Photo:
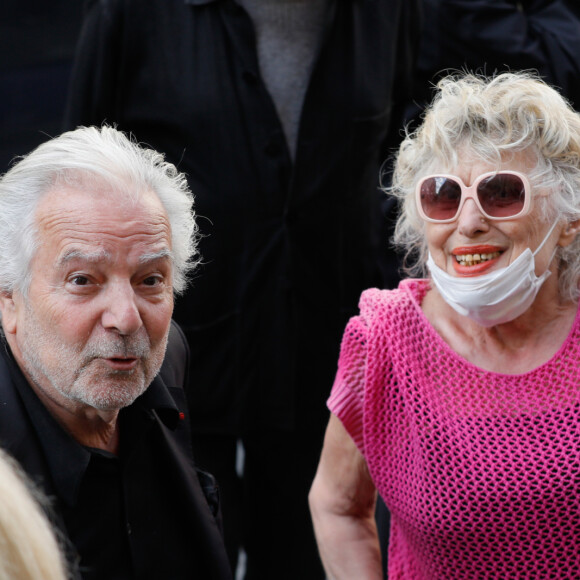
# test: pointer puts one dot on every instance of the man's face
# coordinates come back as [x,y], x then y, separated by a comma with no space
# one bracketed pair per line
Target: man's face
[93,328]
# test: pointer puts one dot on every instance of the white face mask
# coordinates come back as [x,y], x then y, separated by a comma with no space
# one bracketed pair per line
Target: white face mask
[496,297]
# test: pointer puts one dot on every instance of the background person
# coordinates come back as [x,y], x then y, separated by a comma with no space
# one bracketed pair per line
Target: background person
[455,395]
[493,36]
[96,235]
[278,112]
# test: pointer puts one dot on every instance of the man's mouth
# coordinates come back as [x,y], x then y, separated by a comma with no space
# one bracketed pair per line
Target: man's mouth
[467,260]
[122,363]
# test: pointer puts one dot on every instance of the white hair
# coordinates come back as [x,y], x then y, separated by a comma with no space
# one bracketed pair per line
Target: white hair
[28,546]
[85,158]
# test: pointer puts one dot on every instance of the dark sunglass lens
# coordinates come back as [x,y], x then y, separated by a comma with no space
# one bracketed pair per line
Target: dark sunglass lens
[502,195]
[440,197]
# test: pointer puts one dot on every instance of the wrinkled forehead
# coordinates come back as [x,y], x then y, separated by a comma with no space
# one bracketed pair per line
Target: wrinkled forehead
[97,222]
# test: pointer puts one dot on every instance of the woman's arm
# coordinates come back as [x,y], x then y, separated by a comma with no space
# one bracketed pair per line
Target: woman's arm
[342,502]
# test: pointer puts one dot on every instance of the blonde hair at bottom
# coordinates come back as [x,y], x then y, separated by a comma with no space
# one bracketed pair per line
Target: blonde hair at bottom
[29,549]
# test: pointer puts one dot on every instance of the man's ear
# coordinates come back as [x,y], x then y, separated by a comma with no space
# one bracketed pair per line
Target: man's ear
[569,233]
[8,309]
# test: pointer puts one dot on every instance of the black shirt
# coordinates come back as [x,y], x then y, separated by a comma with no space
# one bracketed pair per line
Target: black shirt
[141,514]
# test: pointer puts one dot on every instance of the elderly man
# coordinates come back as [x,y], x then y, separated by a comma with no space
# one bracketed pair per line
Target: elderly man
[96,235]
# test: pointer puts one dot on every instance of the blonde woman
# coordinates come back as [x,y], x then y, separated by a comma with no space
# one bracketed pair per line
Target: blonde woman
[457,396]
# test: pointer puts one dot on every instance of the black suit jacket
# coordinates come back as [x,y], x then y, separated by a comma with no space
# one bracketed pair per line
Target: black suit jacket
[172,532]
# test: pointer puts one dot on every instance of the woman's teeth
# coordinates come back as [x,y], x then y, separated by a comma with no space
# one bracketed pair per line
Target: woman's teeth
[473,259]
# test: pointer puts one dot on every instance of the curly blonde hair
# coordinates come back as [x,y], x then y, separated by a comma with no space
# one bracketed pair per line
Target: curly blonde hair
[489,119]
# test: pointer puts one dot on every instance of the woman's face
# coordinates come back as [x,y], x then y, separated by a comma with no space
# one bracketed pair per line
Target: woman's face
[454,244]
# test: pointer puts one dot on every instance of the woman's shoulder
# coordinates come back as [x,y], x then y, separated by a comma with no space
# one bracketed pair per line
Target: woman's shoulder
[410,293]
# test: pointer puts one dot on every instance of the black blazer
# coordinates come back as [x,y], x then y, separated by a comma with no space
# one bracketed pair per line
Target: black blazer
[159,478]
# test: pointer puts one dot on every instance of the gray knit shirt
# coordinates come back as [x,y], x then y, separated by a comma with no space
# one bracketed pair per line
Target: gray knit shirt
[288,35]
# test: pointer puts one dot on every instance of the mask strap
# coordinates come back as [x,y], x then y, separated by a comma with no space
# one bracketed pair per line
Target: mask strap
[546,239]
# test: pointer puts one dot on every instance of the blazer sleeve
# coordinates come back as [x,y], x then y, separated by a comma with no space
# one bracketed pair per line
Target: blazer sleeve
[92,86]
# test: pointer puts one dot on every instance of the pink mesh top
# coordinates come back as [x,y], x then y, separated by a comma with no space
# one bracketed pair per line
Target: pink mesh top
[481,470]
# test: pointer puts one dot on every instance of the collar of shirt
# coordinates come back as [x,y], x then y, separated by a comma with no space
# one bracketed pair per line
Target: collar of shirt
[66,458]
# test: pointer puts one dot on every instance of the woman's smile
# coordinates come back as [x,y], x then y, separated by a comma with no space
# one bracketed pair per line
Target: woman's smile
[475,260]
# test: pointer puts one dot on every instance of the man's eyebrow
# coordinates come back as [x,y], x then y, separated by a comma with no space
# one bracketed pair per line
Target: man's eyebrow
[154,256]
[98,256]
[103,255]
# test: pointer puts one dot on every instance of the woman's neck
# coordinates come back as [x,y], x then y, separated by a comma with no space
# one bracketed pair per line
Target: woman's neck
[515,347]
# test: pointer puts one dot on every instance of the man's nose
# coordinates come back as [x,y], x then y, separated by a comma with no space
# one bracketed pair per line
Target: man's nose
[470,220]
[120,311]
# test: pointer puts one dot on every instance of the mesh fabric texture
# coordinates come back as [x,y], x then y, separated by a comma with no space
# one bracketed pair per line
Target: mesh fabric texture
[480,470]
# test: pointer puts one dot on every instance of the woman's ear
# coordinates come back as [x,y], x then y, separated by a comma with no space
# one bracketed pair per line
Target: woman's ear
[569,233]
[8,310]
